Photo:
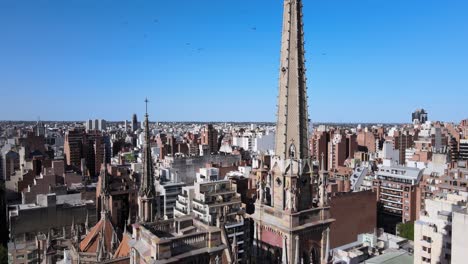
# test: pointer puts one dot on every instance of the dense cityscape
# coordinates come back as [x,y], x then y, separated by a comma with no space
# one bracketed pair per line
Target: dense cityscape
[294,191]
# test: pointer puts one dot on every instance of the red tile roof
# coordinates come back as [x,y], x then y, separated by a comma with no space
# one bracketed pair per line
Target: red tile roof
[104,227]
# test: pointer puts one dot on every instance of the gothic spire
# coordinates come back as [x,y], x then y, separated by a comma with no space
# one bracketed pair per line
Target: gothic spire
[147,180]
[292,119]
[104,176]
[104,186]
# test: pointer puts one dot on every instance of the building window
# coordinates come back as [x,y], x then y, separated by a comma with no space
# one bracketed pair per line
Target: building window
[427,239]
[32,255]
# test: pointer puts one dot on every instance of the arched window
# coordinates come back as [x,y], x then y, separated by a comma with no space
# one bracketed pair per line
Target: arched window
[292,151]
[314,256]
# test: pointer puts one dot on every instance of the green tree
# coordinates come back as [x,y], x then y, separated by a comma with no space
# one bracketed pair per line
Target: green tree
[406,230]
[3,255]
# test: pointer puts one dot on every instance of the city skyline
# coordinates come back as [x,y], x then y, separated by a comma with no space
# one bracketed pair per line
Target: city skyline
[299,190]
[361,57]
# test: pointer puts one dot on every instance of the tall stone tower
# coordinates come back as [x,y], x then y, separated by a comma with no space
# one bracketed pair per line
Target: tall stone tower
[291,135]
[147,194]
[291,212]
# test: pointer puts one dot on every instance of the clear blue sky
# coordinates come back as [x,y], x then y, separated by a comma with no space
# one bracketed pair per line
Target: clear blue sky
[367,60]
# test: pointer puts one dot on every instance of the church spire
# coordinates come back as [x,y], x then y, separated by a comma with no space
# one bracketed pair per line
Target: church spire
[147,182]
[104,175]
[147,193]
[104,195]
[292,122]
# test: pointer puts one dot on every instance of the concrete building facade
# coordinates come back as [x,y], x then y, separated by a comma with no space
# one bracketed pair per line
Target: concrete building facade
[434,231]
[396,189]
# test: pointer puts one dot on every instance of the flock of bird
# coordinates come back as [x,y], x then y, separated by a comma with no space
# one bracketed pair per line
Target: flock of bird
[193,50]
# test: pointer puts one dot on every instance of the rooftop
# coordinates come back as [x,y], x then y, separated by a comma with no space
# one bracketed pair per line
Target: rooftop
[392,257]
[406,173]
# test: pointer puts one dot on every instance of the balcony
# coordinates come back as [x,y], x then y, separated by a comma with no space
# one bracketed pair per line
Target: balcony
[392,207]
[393,194]
[233,224]
[180,210]
[199,210]
[390,201]
[200,202]
[181,202]
[236,234]
[391,189]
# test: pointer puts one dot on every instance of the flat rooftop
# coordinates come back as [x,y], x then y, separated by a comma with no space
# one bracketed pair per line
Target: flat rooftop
[392,257]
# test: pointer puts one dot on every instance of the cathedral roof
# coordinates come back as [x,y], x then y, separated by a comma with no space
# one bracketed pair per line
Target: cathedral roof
[124,248]
[102,231]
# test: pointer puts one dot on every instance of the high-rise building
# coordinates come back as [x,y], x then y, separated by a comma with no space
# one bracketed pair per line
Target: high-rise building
[396,189]
[368,140]
[403,141]
[337,148]
[102,125]
[463,149]
[289,227]
[453,149]
[96,124]
[89,124]
[210,138]
[93,151]
[319,142]
[73,147]
[134,123]
[11,163]
[419,116]
[39,129]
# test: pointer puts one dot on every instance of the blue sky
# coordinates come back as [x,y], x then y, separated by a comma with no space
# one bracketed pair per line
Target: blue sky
[367,60]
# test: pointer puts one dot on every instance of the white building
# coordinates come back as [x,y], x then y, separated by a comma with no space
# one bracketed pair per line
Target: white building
[96,124]
[389,154]
[375,246]
[184,201]
[459,236]
[216,202]
[168,188]
[433,231]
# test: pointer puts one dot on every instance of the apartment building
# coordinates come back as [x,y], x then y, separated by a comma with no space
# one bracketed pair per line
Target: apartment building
[396,189]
